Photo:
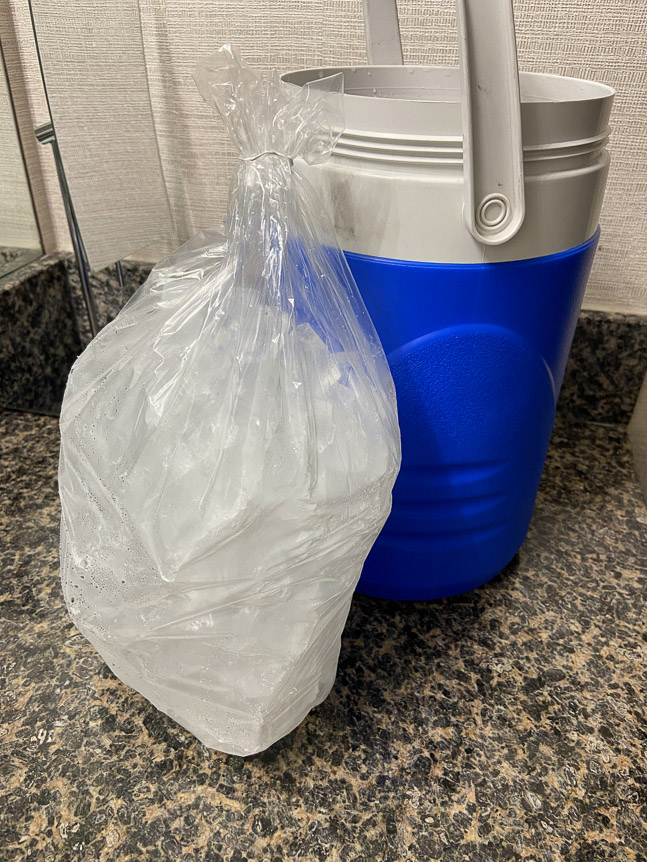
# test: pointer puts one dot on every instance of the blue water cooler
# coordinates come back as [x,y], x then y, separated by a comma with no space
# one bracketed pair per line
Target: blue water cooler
[477,377]
[467,201]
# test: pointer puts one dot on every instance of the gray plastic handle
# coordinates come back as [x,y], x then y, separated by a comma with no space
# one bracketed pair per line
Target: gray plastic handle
[493,208]
[382,32]
[493,202]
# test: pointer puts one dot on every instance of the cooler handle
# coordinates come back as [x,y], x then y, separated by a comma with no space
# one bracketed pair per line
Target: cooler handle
[493,180]
[382,27]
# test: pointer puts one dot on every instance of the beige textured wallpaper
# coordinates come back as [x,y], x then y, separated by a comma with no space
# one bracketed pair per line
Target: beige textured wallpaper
[23,73]
[98,95]
[17,223]
[606,41]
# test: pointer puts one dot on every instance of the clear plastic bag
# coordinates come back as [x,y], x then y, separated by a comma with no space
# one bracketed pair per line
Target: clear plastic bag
[230,443]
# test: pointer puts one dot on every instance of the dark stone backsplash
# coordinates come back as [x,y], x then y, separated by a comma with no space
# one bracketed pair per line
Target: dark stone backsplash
[44,325]
[108,293]
[44,315]
[606,367]
[39,338]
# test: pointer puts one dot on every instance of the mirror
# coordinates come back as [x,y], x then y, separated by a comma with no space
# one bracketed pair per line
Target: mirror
[19,235]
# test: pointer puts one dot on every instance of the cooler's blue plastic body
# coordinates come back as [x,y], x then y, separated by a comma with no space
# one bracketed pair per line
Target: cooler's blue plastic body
[477,353]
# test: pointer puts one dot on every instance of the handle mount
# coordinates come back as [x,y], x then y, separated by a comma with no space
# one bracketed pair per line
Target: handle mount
[493,201]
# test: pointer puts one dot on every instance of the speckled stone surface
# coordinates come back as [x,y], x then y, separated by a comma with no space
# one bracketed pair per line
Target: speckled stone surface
[44,325]
[506,724]
[39,338]
[109,295]
[606,367]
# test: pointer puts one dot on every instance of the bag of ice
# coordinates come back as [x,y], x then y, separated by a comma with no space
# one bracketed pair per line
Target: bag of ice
[230,443]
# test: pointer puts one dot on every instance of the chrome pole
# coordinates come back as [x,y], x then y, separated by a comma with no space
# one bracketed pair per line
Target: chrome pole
[122,283]
[45,135]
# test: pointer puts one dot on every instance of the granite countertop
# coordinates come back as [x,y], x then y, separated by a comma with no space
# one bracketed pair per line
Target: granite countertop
[504,724]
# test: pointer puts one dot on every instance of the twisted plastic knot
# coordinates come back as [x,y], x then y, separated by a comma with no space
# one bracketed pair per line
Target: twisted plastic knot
[267,153]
